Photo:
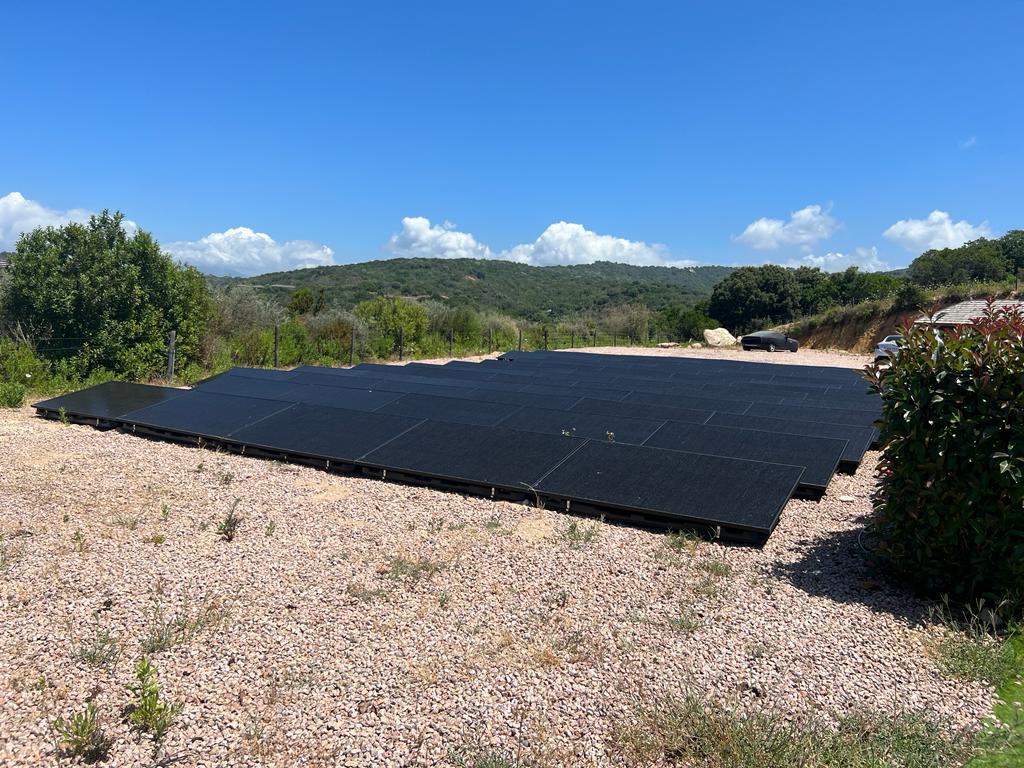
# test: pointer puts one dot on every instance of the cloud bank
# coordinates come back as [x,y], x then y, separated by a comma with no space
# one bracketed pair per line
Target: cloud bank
[865,259]
[243,251]
[806,227]
[18,214]
[937,231]
[561,243]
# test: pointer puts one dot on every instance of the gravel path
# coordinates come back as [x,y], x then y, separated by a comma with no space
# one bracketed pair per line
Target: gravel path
[358,623]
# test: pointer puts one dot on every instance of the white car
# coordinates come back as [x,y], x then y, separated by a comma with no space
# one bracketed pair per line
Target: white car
[888,347]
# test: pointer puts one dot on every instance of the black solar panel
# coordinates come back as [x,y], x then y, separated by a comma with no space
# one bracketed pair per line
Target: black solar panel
[597,426]
[691,402]
[319,432]
[205,414]
[459,410]
[858,439]
[675,486]
[108,401]
[642,411]
[724,443]
[818,455]
[478,456]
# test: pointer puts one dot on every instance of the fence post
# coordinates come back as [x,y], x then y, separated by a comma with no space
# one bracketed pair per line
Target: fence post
[595,337]
[170,355]
[352,347]
[520,339]
[451,342]
[545,337]
[490,341]
[401,342]
[613,339]
[277,346]
[572,339]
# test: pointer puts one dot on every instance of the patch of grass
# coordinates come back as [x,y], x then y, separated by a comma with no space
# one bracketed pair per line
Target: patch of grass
[228,527]
[1002,743]
[62,416]
[82,736]
[402,568]
[78,541]
[166,631]
[578,535]
[707,587]
[971,649]
[690,731]
[269,530]
[7,554]
[685,622]
[11,395]
[100,650]
[165,512]
[488,758]
[150,712]
[128,522]
[435,524]
[493,525]
[717,568]
[155,538]
[444,598]
[364,594]
[681,541]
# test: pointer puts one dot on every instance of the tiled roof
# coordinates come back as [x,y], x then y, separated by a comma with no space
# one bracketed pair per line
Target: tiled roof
[4,262]
[964,312]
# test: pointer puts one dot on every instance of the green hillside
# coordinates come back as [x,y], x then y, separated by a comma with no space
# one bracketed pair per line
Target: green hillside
[535,293]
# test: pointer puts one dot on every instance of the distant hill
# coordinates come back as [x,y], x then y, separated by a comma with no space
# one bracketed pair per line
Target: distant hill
[535,293]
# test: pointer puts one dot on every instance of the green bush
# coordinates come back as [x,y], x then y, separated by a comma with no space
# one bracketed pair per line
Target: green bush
[97,296]
[951,495]
[12,395]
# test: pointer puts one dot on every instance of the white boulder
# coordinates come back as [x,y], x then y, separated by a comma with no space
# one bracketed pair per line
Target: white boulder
[719,337]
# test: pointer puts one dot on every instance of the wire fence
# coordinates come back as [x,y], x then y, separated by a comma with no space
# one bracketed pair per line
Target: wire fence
[288,346]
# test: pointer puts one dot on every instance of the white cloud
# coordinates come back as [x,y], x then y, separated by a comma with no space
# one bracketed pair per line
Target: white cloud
[18,214]
[937,231]
[969,142]
[420,238]
[242,251]
[807,226]
[561,243]
[865,259]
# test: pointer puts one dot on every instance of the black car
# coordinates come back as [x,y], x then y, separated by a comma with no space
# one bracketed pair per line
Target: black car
[769,340]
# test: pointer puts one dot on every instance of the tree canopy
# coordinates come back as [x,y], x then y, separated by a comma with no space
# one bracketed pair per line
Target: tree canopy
[977,261]
[94,296]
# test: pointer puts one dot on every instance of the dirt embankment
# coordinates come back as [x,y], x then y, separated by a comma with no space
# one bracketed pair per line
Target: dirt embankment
[857,334]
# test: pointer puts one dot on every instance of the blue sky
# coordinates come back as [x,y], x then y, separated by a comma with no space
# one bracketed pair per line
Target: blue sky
[253,136]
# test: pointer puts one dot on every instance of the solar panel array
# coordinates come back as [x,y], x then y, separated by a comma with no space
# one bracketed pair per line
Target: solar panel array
[665,442]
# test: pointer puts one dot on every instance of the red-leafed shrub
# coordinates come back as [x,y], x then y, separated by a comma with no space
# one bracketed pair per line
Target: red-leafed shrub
[951,496]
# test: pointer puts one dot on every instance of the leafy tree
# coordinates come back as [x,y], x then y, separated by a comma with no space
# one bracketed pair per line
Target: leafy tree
[385,315]
[682,323]
[977,261]
[1012,246]
[854,286]
[109,299]
[817,290]
[769,294]
[307,302]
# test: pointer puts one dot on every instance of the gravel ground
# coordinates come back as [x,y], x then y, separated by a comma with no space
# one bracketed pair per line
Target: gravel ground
[358,623]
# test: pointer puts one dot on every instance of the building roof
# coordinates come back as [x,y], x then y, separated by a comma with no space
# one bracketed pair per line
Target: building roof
[4,262]
[965,312]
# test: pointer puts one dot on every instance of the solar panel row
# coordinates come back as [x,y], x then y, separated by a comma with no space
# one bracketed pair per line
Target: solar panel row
[679,443]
